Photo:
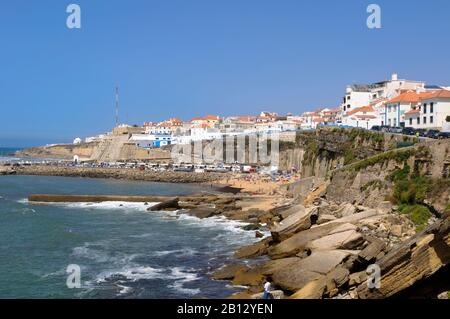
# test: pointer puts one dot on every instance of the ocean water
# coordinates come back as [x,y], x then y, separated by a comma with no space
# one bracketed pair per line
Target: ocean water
[123,251]
[6,152]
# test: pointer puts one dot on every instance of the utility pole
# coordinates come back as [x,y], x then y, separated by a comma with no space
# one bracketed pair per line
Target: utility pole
[117,106]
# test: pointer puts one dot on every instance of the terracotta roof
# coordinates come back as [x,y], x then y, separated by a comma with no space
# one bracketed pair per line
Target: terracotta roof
[361,109]
[311,114]
[211,117]
[318,120]
[443,94]
[407,97]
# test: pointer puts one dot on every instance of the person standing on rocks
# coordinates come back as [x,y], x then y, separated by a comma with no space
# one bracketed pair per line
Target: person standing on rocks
[267,294]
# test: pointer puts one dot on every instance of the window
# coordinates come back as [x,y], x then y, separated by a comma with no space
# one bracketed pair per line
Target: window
[348,106]
[431,119]
[410,121]
[395,122]
[425,108]
[431,107]
[424,120]
[389,122]
[418,121]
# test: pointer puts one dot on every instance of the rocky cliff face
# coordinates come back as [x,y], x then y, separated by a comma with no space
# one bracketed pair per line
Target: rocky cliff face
[318,152]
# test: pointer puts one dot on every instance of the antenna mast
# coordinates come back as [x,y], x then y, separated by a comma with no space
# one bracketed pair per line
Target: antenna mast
[117,106]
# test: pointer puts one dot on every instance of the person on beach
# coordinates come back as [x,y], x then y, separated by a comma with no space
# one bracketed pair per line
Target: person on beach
[267,294]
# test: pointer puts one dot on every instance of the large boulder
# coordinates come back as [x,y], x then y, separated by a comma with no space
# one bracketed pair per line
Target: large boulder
[345,210]
[171,204]
[254,250]
[272,266]
[328,284]
[203,212]
[299,242]
[312,290]
[251,278]
[349,239]
[293,224]
[293,278]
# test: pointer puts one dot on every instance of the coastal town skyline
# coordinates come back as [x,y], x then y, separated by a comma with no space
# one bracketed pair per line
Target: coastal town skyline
[187,60]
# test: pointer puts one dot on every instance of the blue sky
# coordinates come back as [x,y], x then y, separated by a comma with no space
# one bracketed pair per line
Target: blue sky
[194,57]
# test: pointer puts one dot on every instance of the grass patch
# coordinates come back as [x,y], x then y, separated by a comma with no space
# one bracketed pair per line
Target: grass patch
[399,156]
[418,214]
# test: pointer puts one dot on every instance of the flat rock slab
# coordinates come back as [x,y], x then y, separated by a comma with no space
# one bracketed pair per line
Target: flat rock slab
[299,242]
[323,261]
[343,240]
[270,267]
[294,223]
[293,278]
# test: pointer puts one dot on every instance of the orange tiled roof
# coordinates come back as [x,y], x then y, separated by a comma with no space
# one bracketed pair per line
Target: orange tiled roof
[361,109]
[408,97]
[443,94]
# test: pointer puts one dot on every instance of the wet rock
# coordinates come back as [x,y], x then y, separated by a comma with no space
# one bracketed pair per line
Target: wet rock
[228,272]
[258,234]
[203,212]
[251,227]
[171,204]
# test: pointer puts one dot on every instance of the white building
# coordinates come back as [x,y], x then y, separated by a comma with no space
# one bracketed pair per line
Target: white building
[431,112]
[363,95]
[396,108]
[363,117]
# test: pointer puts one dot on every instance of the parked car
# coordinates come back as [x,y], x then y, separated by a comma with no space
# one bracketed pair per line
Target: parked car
[432,133]
[396,129]
[376,128]
[408,131]
[443,135]
[384,128]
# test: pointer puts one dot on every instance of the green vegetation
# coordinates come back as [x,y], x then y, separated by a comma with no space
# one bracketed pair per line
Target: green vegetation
[410,190]
[349,156]
[418,214]
[399,156]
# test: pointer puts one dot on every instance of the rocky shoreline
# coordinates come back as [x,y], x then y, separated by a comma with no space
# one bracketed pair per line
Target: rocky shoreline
[115,173]
[326,233]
